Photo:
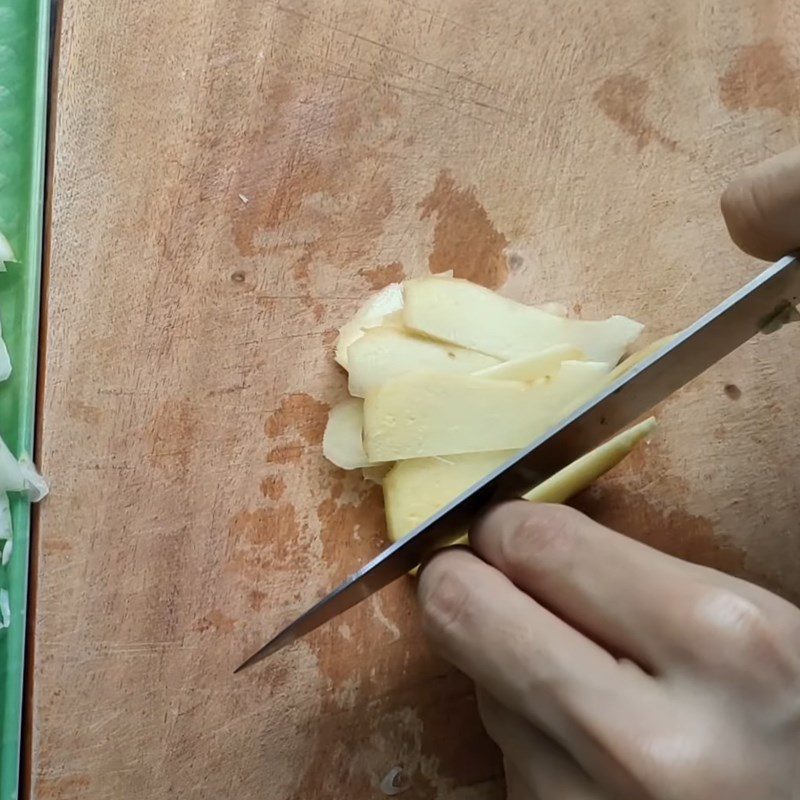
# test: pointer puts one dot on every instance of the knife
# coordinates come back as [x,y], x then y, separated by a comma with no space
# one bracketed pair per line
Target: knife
[762,305]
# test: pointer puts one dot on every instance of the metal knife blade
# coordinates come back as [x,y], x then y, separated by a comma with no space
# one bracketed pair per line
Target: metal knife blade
[757,306]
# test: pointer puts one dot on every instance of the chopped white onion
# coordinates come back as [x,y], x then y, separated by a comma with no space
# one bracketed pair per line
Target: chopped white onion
[5,609]
[11,477]
[395,782]
[35,485]
[5,517]
[6,253]
[5,361]
[20,476]
[7,548]
[370,315]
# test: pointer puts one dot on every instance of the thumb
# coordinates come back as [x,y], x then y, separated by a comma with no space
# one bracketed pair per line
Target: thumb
[761,207]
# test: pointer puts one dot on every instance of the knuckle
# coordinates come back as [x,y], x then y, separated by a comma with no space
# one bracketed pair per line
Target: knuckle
[664,775]
[542,539]
[445,597]
[739,632]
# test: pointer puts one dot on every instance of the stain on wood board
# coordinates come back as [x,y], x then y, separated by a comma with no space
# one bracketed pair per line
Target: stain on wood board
[622,99]
[383,275]
[762,76]
[465,240]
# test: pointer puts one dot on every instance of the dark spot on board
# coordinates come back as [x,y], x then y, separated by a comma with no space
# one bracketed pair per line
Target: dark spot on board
[301,269]
[760,76]
[383,275]
[238,276]
[256,599]
[285,454]
[318,311]
[732,391]
[216,621]
[672,530]
[464,238]
[360,525]
[273,487]
[622,98]
[273,679]
[262,539]
[515,261]
[298,414]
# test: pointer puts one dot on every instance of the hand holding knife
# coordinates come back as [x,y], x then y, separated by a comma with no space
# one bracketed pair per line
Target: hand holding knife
[759,306]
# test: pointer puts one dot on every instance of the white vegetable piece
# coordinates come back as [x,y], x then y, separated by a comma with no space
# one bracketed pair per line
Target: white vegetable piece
[36,487]
[6,253]
[5,528]
[474,317]
[5,609]
[5,517]
[20,476]
[370,315]
[342,443]
[11,477]
[531,368]
[381,354]
[416,489]
[5,361]
[434,414]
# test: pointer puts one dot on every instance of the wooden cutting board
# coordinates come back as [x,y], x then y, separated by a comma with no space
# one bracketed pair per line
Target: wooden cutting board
[231,181]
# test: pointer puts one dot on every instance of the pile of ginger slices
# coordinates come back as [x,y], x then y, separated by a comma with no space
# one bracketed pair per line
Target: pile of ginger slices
[449,379]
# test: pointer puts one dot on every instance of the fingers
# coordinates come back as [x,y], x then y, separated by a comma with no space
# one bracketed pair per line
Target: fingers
[621,592]
[534,759]
[525,656]
[672,617]
[762,207]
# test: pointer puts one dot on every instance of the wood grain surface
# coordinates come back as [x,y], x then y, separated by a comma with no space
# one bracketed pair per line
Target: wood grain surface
[231,180]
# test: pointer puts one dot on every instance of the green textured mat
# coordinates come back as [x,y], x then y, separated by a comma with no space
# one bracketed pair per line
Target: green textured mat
[24,50]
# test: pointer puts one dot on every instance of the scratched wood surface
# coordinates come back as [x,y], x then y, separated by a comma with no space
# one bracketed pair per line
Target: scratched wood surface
[232,179]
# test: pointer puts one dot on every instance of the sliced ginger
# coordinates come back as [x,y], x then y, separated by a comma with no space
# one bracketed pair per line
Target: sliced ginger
[455,379]
[387,352]
[438,414]
[416,489]
[472,316]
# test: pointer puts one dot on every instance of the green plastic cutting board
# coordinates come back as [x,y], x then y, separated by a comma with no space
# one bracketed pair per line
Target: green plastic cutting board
[24,49]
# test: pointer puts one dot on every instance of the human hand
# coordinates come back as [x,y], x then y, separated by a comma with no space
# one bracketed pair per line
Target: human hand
[606,669]
[762,207]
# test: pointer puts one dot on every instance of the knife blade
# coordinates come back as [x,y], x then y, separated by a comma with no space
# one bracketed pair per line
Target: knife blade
[760,305]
